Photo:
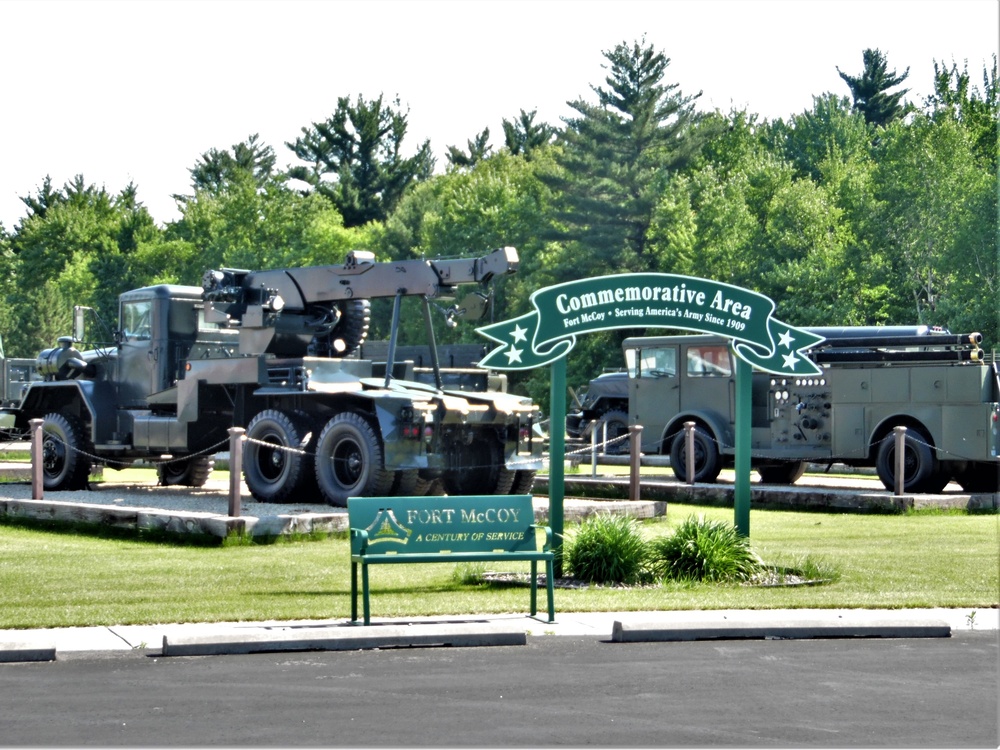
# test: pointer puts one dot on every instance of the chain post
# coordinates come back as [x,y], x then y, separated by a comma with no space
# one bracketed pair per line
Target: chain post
[635,459]
[37,486]
[593,450]
[235,470]
[689,454]
[900,459]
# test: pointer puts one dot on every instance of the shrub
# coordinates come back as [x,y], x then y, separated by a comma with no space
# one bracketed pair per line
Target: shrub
[701,550]
[607,549]
[469,574]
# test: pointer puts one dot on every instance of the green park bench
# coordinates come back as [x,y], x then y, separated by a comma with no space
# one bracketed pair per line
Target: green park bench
[456,529]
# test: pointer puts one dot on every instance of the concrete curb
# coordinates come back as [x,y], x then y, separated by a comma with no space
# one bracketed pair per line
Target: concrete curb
[700,631]
[344,639]
[17,652]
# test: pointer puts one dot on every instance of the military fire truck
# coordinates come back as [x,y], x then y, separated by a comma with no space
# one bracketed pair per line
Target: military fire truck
[937,385]
[275,352]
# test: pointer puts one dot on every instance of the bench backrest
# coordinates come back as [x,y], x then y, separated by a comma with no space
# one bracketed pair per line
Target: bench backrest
[464,523]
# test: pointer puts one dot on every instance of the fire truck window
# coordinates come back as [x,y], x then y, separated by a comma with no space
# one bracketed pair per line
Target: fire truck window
[658,363]
[708,361]
[137,320]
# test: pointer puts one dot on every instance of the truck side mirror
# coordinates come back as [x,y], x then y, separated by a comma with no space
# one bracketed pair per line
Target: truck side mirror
[79,322]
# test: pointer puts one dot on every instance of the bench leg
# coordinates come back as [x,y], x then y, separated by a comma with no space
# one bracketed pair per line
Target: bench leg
[364,584]
[534,588]
[354,592]
[550,589]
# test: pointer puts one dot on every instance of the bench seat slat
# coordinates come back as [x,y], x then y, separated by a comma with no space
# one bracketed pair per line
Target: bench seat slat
[444,557]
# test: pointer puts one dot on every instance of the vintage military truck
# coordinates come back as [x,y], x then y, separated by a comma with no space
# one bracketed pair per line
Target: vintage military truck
[274,352]
[940,386]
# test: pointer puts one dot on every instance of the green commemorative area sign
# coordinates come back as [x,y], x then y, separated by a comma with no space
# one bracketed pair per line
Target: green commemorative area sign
[562,312]
[649,300]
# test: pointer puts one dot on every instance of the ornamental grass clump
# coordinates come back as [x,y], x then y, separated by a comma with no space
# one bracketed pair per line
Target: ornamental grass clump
[701,550]
[607,549]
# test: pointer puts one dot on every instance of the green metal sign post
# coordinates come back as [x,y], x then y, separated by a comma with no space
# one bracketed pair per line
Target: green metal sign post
[557,456]
[741,485]
[562,312]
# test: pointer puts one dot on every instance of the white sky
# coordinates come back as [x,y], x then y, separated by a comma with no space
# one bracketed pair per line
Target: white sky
[138,90]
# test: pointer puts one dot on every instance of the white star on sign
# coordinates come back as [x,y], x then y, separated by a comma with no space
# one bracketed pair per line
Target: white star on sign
[786,340]
[514,355]
[790,361]
[519,334]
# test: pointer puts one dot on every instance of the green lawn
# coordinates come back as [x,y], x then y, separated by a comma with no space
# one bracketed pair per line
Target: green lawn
[50,578]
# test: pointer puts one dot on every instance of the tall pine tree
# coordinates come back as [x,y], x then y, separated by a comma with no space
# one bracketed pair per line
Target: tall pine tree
[870,90]
[615,157]
[355,159]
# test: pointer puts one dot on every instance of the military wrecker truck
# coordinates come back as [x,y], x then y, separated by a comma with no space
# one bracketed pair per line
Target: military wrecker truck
[937,385]
[275,352]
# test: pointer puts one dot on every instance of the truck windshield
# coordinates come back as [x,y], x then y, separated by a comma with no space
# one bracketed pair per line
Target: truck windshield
[708,361]
[652,363]
[136,320]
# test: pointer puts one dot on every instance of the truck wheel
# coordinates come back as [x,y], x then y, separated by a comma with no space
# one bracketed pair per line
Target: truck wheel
[65,460]
[352,330]
[786,472]
[193,472]
[524,480]
[274,474]
[617,424]
[979,476]
[349,460]
[707,463]
[919,464]
[481,471]
[433,486]
[404,483]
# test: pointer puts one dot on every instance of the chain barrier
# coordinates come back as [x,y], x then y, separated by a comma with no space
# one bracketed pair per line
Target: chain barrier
[590,447]
[653,447]
[586,450]
[910,435]
[218,447]
[111,462]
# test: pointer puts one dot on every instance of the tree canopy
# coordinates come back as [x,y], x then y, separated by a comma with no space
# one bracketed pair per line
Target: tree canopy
[860,210]
[355,159]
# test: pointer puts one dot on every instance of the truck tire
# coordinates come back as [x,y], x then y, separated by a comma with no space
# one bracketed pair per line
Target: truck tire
[919,463]
[193,472]
[979,476]
[707,463]
[349,460]
[617,426]
[405,482]
[785,472]
[433,486]
[352,329]
[524,480]
[480,471]
[66,461]
[273,473]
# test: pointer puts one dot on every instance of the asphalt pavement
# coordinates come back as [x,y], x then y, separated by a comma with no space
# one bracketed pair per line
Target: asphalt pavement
[491,630]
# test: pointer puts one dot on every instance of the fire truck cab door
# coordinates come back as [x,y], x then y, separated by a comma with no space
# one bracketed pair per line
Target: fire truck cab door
[654,391]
